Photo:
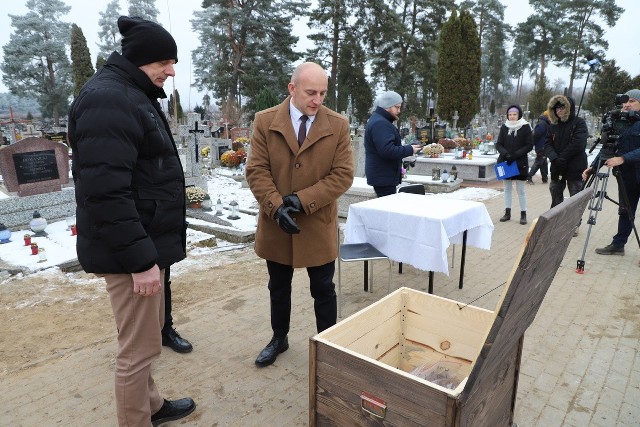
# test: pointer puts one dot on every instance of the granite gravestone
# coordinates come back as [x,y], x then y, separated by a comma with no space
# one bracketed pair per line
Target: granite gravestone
[34,166]
[240,133]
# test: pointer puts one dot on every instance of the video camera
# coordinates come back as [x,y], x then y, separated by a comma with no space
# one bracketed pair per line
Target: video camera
[614,123]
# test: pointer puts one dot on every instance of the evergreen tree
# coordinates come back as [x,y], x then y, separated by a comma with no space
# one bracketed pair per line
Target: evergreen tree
[607,83]
[175,106]
[145,9]
[35,60]
[100,61]
[401,40]
[353,86]
[449,72]
[266,99]
[459,68]
[539,97]
[109,34]
[245,47]
[492,32]
[330,19]
[80,59]
[583,36]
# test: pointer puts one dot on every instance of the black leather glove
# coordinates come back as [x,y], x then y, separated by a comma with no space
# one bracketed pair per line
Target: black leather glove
[508,158]
[284,220]
[509,162]
[293,201]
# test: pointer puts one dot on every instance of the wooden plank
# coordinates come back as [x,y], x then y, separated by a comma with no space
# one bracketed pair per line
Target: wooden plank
[490,404]
[342,377]
[544,250]
[312,382]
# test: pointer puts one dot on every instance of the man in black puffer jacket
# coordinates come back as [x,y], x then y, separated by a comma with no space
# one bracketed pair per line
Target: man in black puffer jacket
[565,148]
[131,206]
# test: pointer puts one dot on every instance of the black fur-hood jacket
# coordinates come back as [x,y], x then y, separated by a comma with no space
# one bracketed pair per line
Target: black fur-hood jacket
[567,115]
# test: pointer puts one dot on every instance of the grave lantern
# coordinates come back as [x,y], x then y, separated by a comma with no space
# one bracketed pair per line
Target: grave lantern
[219,208]
[27,239]
[435,174]
[445,175]
[206,203]
[38,224]
[70,220]
[454,172]
[42,254]
[234,210]
[5,234]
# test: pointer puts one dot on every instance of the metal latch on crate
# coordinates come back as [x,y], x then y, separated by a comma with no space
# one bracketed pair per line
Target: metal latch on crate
[373,405]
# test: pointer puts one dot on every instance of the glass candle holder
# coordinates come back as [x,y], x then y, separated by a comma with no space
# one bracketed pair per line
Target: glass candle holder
[27,239]
[34,249]
[42,254]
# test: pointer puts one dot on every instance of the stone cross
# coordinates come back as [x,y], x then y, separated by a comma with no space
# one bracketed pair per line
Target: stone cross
[192,132]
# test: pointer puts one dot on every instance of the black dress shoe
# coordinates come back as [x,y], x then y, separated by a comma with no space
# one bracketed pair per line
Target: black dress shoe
[269,354]
[171,338]
[173,410]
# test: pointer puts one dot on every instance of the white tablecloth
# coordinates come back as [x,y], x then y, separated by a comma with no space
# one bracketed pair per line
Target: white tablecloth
[416,229]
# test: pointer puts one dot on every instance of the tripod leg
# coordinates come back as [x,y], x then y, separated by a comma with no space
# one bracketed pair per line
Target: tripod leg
[599,181]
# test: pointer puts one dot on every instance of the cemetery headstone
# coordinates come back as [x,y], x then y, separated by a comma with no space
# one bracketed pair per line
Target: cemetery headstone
[34,166]
[239,133]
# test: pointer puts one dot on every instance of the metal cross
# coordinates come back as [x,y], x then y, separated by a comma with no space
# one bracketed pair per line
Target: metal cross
[195,131]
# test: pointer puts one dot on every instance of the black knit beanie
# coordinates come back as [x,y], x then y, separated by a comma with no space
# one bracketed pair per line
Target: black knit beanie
[145,42]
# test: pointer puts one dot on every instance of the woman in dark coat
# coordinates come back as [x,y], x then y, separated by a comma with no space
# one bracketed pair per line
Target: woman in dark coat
[515,140]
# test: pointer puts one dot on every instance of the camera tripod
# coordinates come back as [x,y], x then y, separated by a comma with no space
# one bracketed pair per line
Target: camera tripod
[595,204]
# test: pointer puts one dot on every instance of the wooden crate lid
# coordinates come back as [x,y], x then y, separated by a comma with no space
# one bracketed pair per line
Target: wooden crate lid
[540,258]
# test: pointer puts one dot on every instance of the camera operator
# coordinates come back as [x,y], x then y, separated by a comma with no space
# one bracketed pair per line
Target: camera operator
[565,148]
[627,159]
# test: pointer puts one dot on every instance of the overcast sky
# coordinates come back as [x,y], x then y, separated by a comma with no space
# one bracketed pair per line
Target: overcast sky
[176,14]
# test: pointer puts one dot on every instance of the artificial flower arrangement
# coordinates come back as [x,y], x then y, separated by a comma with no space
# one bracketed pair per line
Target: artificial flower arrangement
[465,143]
[232,158]
[239,143]
[433,150]
[195,194]
[205,151]
[448,143]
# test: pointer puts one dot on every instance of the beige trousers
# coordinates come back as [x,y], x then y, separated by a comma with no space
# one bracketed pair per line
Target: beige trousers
[139,320]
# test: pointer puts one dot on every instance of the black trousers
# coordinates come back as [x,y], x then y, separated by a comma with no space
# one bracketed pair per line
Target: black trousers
[322,288]
[168,320]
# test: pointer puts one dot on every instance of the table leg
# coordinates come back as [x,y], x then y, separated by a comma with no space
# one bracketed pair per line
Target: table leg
[462,257]
[431,282]
[366,276]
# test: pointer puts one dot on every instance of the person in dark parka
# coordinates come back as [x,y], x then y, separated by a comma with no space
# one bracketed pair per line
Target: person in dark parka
[514,143]
[383,146]
[539,138]
[565,147]
[130,213]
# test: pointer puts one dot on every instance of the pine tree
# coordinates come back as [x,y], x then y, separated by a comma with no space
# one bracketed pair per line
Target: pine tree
[145,9]
[109,34]
[80,59]
[607,83]
[582,35]
[35,60]
[330,18]
[245,47]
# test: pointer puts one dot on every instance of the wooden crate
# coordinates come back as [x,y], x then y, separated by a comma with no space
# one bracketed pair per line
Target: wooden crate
[360,369]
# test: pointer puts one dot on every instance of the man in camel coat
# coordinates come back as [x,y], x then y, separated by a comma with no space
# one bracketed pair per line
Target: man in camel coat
[300,163]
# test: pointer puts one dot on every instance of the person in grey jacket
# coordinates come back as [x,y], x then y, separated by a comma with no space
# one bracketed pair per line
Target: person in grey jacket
[130,210]
[383,146]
